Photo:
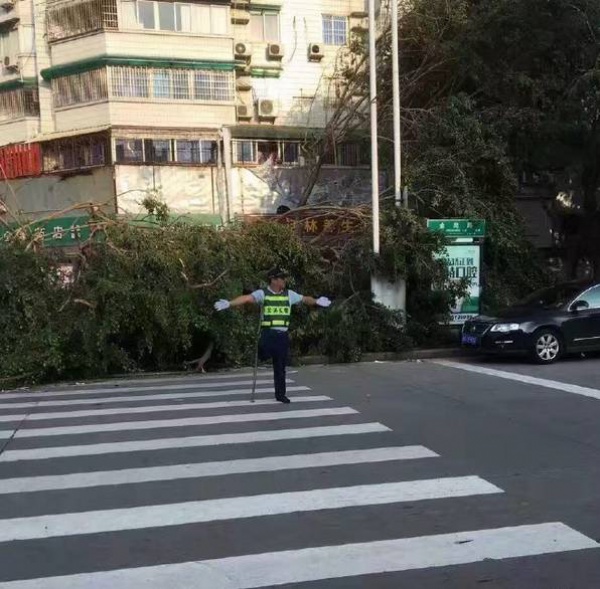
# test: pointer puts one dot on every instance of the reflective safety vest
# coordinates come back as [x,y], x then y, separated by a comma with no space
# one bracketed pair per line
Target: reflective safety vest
[276,309]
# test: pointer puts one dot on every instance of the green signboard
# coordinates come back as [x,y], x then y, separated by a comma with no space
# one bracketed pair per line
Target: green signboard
[59,232]
[458,227]
[464,263]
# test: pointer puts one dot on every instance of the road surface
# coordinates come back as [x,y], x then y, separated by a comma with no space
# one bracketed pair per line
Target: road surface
[419,475]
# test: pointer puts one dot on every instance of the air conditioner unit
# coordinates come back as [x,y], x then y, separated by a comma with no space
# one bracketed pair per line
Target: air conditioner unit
[244,113]
[243,83]
[267,109]
[243,50]
[240,17]
[274,51]
[315,52]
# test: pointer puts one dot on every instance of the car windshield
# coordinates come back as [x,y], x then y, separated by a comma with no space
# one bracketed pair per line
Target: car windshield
[552,298]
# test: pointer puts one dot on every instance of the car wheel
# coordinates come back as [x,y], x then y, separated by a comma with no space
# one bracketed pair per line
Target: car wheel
[547,346]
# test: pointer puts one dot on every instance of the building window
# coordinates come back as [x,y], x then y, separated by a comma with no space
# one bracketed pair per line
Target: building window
[19,103]
[75,153]
[129,150]
[69,19]
[215,86]
[347,155]
[286,153]
[80,88]
[165,151]
[171,84]
[335,30]
[196,152]
[178,17]
[264,27]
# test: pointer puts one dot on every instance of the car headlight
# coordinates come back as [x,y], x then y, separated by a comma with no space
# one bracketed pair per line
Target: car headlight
[505,327]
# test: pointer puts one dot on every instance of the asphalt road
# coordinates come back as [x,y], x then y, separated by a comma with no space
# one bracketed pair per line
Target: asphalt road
[417,475]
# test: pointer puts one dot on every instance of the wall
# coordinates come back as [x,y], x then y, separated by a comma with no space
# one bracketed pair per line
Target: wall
[145,114]
[19,131]
[147,44]
[189,189]
[300,79]
[52,193]
[261,189]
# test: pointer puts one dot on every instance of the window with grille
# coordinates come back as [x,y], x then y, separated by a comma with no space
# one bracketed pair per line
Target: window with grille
[163,151]
[129,150]
[75,153]
[264,27]
[177,17]
[19,103]
[335,30]
[80,88]
[279,153]
[346,155]
[171,84]
[70,19]
[196,152]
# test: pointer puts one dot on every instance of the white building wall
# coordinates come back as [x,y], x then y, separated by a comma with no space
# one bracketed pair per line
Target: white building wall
[19,131]
[192,189]
[303,85]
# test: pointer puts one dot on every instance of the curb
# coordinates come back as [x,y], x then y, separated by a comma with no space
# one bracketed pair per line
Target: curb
[409,356]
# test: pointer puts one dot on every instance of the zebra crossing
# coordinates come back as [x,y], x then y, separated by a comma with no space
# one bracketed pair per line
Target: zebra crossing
[183,483]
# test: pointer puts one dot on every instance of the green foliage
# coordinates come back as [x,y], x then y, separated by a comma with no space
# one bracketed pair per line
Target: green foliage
[142,298]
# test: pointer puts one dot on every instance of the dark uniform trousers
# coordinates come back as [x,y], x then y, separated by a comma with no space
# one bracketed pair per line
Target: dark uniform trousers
[275,345]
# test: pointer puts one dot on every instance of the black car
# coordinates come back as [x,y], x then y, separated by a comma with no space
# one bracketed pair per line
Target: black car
[548,324]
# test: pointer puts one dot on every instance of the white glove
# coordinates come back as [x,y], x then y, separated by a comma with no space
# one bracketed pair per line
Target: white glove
[323,302]
[222,305]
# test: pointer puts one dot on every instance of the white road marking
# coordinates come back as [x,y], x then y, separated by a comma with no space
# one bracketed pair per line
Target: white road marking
[127,426]
[332,562]
[11,418]
[118,390]
[163,408]
[540,382]
[177,514]
[190,442]
[159,397]
[6,433]
[133,476]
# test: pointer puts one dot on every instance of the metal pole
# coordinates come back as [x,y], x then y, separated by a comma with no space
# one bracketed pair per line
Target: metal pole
[374,129]
[396,106]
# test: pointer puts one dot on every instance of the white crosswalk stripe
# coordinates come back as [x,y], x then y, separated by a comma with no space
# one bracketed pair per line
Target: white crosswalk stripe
[188,422]
[159,409]
[46,452]
[332,562]
[113,390]
[133,471]
[212,469]
[143,398]
[155,516]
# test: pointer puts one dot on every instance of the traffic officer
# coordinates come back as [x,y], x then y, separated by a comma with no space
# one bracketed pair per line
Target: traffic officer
[277,302]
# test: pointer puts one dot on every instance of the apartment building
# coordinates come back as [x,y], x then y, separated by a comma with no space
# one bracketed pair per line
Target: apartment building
[207,104]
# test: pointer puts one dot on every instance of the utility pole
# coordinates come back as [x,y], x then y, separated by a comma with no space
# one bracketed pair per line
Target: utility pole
[374,126]
[396,106]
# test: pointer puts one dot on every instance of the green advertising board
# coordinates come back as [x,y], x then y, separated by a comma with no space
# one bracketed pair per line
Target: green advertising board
[463,258]
[458,227]
[464,262]
[59,232]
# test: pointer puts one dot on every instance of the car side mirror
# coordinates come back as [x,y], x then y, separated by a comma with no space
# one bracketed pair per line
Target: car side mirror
[579,306]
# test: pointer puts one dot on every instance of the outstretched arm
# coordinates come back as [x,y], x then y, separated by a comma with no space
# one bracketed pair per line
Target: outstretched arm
[320,302]
[242,300]
[224,304]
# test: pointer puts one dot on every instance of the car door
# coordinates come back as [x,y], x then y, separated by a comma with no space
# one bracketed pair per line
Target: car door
[582,327]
